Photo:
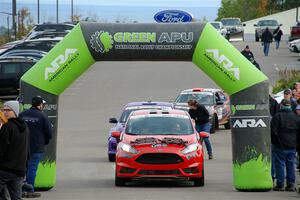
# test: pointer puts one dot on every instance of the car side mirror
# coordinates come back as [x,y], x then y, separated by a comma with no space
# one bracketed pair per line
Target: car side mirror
[113,120]
[203,135]
[255,25]
[280,24]
[220,103]
[244,24]
[116,134]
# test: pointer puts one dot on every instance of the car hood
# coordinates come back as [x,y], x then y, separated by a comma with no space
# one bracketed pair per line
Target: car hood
[141,141]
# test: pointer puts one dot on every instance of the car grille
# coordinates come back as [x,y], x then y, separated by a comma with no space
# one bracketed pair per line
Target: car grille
[159,158]
[159,172]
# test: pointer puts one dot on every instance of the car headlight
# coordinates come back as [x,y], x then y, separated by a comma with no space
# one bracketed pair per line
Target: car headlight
[127,148]
[190,148]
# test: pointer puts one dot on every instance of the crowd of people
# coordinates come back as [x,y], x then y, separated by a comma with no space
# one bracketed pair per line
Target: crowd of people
[285,138]
[23,139]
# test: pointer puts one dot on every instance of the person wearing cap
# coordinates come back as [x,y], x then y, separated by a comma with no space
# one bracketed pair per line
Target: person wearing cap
[40,135]
[14,147]
[287,94]
[249,55]
[285,126]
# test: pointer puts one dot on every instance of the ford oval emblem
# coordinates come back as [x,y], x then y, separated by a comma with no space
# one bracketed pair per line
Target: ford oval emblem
[172,16]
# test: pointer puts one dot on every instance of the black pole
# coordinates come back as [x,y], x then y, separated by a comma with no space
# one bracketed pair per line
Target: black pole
[71,10]
[297,12]
[38,11]
[57,11]
[14,16]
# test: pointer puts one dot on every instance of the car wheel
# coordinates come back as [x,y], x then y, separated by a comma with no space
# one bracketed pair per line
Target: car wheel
[227,125]
[199,182]
[120,181]
[214,124]
[111,157]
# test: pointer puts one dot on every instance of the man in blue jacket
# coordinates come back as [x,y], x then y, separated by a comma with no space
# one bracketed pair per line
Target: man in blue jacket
[40,135]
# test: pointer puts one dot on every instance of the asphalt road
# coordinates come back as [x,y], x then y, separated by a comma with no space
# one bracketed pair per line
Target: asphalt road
[83,171]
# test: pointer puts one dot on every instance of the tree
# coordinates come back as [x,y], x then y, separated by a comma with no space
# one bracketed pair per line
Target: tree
[25,22]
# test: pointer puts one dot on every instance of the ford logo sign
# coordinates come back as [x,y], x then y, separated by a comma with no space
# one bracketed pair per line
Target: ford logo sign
[173,16]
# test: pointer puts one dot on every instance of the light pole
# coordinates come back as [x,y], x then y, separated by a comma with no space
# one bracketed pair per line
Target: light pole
[71,10]
[8,14]
[57,11]
[38,11]
[14,14]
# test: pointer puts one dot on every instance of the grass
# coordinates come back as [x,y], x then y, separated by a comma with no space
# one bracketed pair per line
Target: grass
[287,77]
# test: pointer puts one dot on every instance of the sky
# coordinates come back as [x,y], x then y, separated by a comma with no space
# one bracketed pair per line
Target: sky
[174,3]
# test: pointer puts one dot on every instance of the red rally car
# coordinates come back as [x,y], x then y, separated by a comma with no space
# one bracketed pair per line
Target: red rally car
[159,144]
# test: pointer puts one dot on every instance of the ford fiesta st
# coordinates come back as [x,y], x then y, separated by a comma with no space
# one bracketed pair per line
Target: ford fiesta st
[130,107]
[159,144]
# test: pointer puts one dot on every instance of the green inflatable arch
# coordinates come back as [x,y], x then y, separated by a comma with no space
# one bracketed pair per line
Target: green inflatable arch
[196,42]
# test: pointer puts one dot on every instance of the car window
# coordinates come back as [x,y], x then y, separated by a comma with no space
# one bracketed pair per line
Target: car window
[267,23]
[222,96]
[26,66]
[205,98]
[159,125]
[216,25]
[10,68]
[230,22]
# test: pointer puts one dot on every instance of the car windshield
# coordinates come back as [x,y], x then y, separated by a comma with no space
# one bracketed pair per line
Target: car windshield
[268,23]
[231,22]
[44,45]
[205,98]
[129,110]
[53,27]
[159,125]
[216,25]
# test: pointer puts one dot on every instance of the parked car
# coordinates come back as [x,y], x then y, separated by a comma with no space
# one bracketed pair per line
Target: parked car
[120,124]
[42,44]
[11,70]
[159,144]
[294,46]
[295,32]
[215,101]
[261,25]
[26,52]
[234,27]
[219,27]
[49,27]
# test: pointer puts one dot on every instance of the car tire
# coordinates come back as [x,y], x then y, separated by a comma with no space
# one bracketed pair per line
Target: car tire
[111,157]
[214,124]
[120,181]
[227,125]
[199,182]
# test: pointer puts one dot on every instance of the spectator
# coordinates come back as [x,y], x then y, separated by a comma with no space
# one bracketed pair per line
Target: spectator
[266,38]
[277,33]
[14,147]
[287,94]
[201,117]
[274,106]
[284,131]
[249,55]
[40,135]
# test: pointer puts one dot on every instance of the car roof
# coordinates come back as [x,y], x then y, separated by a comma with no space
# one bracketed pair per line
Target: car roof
[159,112]
[195,90]
[149,103]
[17,59]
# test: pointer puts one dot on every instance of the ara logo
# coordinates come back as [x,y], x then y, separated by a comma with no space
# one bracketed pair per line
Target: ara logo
[225,62]
[61,59]
[251,123]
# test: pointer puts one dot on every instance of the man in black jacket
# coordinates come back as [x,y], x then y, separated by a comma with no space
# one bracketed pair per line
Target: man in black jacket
[247,53]
[40,135]
[277,36]
[14,147]
[266,38]
[285,126]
